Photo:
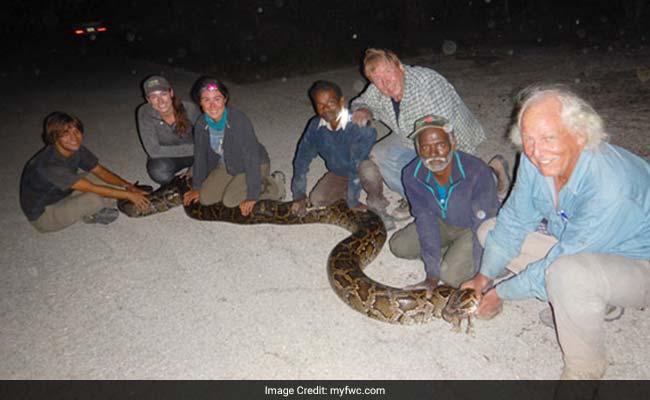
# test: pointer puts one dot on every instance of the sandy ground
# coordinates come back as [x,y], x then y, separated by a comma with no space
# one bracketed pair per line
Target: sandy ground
[166,297]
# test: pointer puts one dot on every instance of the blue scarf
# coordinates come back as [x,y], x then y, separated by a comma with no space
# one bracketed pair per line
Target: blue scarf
[218,125]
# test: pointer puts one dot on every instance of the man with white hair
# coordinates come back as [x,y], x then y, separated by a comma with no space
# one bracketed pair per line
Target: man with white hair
[595,198]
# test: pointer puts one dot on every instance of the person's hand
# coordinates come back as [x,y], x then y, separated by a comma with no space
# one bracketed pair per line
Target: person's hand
[479,283]
[139,199]
[190,197]
[362,117]
[360,207]
[130,187]
[490,306]
[246,206]
[299,207]
[187,173]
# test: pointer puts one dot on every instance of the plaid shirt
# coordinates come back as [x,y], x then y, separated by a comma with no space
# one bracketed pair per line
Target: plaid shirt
[425,92]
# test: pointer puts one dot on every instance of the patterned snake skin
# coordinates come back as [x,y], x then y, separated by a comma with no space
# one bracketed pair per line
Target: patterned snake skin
[346,261]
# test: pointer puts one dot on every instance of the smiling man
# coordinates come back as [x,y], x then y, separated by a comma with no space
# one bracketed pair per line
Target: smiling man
[451,194]
[595,199]
[345,147]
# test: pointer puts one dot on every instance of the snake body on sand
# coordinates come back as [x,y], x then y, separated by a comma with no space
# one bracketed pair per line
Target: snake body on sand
[346,261]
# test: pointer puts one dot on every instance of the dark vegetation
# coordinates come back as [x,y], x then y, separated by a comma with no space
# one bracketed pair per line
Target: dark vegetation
[247,40]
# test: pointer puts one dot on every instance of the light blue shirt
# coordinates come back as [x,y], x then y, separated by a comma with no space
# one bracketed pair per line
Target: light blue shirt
[603,208]
[216,140]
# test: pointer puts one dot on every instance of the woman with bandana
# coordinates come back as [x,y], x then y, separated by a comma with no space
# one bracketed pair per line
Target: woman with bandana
[230,164]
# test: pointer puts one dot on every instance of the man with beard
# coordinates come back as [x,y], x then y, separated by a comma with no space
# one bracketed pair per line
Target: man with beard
[345,147]
[451,194]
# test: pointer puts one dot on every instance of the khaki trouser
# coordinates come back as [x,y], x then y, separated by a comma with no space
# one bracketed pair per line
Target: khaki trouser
[580,287]
[455,246]
[219,186]
[73,208]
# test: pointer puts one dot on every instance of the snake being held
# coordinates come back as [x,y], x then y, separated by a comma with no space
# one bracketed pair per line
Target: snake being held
[346,261]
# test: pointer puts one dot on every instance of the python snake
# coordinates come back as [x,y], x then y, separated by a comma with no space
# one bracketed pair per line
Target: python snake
[346,261]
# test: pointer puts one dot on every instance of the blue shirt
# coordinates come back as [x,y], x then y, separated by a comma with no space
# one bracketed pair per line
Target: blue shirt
[469,199]
[216,140]
[603,208]
[342,150]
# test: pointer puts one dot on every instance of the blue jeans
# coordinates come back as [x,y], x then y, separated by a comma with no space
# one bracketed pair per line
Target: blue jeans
[163,170]
[392,154]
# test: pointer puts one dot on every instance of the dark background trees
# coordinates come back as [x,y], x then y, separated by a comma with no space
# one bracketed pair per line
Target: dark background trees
[256,39]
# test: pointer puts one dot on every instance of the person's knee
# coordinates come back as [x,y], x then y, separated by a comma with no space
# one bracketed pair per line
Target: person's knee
[160,170]
[402,246]
[455,273]
[369,171]
[95,202]
[396,246]
[231,201]
[44,228]
[484,229]
[319,198]
[208,195]
[455,277]
[567,275]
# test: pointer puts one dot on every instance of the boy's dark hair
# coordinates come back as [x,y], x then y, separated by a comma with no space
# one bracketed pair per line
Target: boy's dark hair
[325,85]
[57,123]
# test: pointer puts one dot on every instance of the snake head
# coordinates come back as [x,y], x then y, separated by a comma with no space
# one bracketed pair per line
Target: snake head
[462,304]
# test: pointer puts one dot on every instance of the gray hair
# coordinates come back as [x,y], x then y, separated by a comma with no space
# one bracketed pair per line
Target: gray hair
[576,114]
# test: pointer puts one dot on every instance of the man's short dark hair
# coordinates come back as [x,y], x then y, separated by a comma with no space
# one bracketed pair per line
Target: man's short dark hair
[57,123]
[323,86]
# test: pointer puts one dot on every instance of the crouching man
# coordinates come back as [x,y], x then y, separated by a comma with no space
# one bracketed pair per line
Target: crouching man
[595,198]
[451,194]
[345,148]
[65,183]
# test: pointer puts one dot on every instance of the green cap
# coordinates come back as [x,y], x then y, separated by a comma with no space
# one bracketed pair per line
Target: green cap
[430,121]
[155,83]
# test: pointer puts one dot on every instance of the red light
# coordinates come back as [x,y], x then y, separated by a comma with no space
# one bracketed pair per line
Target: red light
[101,29]
[79,31]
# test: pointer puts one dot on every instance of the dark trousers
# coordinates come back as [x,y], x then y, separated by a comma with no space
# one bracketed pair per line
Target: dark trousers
[163,170]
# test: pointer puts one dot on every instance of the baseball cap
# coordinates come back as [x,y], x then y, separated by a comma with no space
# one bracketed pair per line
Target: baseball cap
[155,83]
[430,121]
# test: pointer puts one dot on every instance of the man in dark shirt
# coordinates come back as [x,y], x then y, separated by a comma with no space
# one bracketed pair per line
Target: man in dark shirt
[345,147]
[451,193]
[53,192]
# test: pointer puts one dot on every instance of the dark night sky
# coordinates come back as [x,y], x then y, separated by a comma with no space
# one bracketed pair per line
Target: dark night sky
[277,36]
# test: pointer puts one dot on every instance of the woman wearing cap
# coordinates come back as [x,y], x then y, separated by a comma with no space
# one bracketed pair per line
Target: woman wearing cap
[230,164]
[165,126]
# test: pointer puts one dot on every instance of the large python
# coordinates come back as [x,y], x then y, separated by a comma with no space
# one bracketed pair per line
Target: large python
[346,261]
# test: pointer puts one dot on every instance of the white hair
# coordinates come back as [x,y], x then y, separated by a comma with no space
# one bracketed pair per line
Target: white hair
[575,113]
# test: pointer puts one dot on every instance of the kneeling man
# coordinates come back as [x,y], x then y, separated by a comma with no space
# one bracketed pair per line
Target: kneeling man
[345,148]
[595,198]
[451,194]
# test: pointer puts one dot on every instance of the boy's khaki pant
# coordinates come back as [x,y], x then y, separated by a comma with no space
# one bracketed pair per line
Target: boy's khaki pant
[72,208]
